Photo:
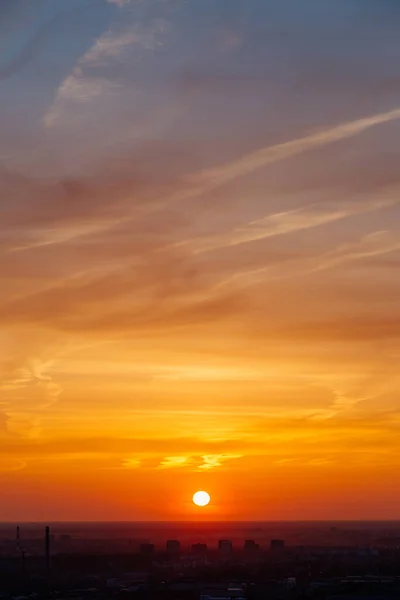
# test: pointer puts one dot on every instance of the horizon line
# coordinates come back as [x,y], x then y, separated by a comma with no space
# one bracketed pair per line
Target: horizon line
[199,522]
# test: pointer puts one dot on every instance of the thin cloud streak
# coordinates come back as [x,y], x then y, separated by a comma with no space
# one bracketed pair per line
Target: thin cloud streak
[246,165]
[371,245]
[174,462]
[287,222]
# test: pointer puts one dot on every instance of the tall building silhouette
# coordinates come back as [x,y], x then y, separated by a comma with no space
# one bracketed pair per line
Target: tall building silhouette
[225,547]
[250,547]
[173,547]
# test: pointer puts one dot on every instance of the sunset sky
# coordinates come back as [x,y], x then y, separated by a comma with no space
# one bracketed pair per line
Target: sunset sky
[199,259]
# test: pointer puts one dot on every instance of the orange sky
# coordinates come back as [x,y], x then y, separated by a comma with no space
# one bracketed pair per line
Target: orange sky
[199,264]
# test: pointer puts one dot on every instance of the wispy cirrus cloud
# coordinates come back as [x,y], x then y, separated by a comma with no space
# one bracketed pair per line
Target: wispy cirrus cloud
[187,187]
[292,221]
[28,387]
[218,176]
[90,79]
[374,244]
[29,373]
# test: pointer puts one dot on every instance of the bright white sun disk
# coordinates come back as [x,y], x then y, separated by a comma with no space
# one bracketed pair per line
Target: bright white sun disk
[201,498]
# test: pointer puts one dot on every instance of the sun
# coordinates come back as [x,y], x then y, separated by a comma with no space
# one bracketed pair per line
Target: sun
[201,498]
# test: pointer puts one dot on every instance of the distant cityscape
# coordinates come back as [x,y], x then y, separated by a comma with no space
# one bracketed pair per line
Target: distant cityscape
[43,561]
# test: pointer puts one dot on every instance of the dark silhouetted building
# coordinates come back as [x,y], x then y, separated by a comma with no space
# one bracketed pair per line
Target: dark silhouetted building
[173,547]
[277,545]
[250,547]
[225,547]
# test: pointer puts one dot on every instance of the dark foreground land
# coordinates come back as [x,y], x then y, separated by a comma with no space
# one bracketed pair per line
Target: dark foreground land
[200,561]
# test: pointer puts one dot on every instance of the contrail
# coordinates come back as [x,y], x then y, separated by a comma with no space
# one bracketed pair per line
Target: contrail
[260,158]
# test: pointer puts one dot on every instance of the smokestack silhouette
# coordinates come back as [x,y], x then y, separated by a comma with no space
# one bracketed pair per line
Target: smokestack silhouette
[17,539]
[47,547]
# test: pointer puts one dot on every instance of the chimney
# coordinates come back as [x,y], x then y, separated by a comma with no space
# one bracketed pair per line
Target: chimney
[47,547]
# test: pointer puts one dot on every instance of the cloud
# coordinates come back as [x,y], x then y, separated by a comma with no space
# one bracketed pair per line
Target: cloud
[28,388]
[371,245]
[10,464]
[105,202]
[141,451]
[212,461]
[131,463]
[173,293]
[169,291]
[89,80]
[208,461]
[47,212]
[173,462]
[218,176]
[291,222]
[346,402]
[265,439]
[29,374]
[198,184]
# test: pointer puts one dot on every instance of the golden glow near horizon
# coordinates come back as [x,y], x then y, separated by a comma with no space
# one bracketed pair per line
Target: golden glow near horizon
[201,498]
[199,254]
